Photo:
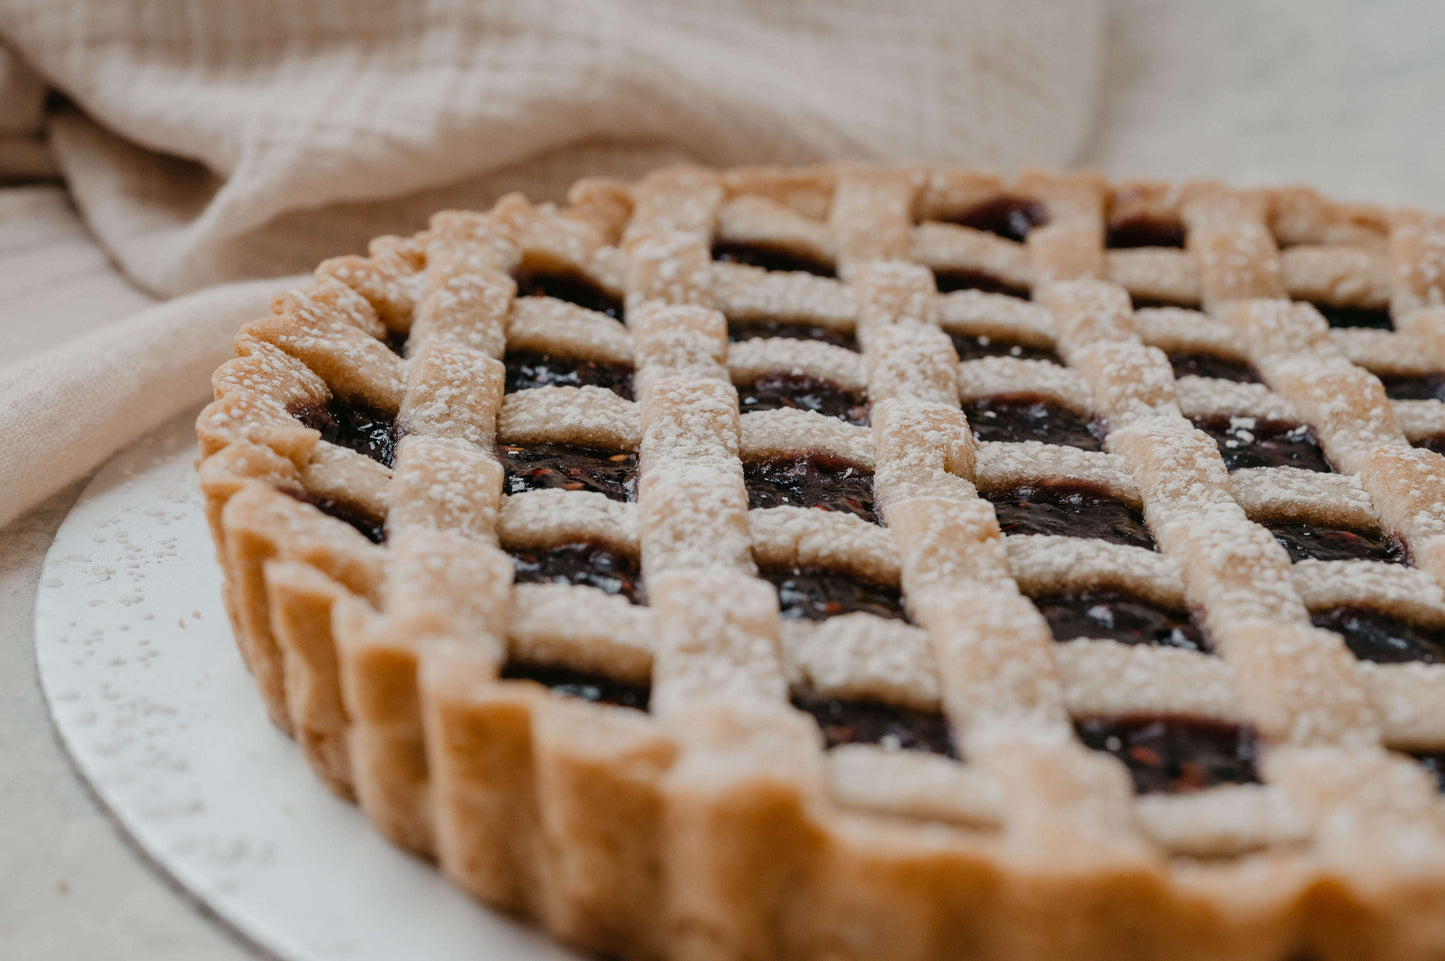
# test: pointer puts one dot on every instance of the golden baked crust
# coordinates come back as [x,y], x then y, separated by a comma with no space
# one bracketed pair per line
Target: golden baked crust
[715,825]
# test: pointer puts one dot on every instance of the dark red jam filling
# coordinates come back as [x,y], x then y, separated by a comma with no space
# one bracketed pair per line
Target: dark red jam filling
[1152,303]
[1144,232]
[1377,318]
[1435,443]
[738,330]
[395,341]
[597,688]
[571,288]
[1119,616]
[784,389]
[589,563]
[1167,755]
[948,281]
[1212,365]
[1261,442]
[816,594]
[1305,540]
[1029,417]
[1373,635]
[372,528]
[974,346]
[526,370]
[1434,762]
[1011,218]
[569,467]
[811,480]
[770,258]
[1071,509]
[1416,387]
[361,429]
[871,722]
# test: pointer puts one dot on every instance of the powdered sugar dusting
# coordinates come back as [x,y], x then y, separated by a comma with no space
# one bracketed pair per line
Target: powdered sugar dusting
[977,648]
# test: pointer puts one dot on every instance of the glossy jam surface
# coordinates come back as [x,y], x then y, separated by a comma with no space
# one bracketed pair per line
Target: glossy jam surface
[785,389]
[596,688]
[1436,443]
[963,279]
[1119,616]
[1259,442]
[816,594]
[811,480]
[1377,318]
[571,288]
[1434,762]
[1029,417]
[1212,365]
[527,370]
[1009,217]
[1302,540]
[1141,302]
[1373,635]
[1070,509]
[1419,387]
[1144,232]
[770,258]
[1174,755]
[372,528]
[975,346]
[569,467]
[589,563]
[361,429]
[870,722]
[395,341]
[738,330]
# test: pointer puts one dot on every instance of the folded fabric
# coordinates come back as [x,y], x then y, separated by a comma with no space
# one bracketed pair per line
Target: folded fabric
[23,155]
[63,412]
[218,141]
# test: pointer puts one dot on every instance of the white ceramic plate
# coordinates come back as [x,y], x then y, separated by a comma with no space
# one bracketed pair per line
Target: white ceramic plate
[151,699]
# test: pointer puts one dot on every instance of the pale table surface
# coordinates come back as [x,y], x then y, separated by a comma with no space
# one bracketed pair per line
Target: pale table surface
[1339,93]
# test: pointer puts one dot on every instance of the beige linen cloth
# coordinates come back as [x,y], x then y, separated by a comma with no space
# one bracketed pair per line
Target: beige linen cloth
[206,142]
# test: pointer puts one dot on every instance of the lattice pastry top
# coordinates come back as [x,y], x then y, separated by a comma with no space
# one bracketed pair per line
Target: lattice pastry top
[870,563]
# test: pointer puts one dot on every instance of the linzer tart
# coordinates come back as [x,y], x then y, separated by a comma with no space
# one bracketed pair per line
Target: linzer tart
[856,563]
